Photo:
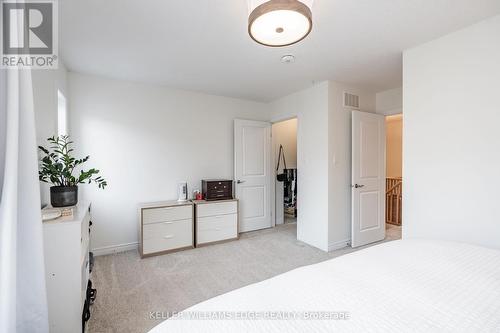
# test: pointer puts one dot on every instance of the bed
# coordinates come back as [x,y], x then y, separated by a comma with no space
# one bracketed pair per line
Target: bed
[400,286]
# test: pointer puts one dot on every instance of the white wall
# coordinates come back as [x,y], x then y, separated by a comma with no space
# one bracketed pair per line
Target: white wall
[46,83]
[310,106]
[145,139]
[452,138]
[390,102]
[285,133]
[339,160]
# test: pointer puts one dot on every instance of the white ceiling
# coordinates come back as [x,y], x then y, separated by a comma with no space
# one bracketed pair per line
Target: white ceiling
[202,45]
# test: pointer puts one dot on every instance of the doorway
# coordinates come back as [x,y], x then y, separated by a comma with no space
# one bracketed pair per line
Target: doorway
[394,172]
[376,177]
[284,147]
[367,178]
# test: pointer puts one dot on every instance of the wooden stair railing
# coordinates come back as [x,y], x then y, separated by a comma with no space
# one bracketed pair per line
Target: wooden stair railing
[393,200]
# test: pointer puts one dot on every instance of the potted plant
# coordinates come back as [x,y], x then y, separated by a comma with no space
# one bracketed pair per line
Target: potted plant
[57,167]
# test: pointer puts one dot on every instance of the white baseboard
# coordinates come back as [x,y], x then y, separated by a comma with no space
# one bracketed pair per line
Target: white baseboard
[339,245]
[101,251]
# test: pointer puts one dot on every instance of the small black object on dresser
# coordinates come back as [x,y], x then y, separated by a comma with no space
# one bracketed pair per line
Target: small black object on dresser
[217,189]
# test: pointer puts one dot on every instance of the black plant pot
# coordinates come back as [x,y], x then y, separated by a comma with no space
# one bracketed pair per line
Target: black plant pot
[63,196]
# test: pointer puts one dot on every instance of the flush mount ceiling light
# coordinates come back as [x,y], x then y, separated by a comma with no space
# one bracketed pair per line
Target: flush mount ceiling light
[279,22]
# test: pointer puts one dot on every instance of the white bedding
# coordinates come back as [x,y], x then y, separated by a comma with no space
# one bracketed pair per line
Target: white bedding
[400,286]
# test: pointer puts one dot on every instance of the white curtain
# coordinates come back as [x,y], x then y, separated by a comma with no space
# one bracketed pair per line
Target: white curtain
[23,299]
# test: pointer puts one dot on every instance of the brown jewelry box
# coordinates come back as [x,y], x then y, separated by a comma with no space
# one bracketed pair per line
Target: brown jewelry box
[217,189]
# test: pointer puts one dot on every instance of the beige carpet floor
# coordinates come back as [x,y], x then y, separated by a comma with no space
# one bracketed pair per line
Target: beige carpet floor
[129,288]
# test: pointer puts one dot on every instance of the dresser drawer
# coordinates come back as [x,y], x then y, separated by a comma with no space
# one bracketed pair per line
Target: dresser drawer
[217,208]
[166,214]
[166,236]
[218,195]
[216,228]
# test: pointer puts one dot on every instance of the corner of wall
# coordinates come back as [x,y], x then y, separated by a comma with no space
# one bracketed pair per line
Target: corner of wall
[310,106]
[390,102]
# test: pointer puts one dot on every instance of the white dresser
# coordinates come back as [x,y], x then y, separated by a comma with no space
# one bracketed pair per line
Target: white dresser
[66,250]
[165,227]
[216,221]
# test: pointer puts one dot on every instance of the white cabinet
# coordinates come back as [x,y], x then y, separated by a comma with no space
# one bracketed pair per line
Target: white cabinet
[66,251]
[165,227]
[216,221]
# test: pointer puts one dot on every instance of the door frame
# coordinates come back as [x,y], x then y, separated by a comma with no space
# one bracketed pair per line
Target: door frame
[273,150]
[269,169]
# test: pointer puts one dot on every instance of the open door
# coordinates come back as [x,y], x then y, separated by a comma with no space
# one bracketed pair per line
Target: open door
[252,171]
[368,178]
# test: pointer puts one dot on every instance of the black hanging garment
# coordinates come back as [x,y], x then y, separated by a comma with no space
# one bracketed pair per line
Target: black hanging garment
[282,176]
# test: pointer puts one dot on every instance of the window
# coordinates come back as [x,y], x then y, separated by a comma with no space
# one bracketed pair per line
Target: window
[62,113]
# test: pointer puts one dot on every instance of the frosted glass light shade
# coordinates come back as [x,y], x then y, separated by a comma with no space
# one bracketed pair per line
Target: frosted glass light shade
[279,22]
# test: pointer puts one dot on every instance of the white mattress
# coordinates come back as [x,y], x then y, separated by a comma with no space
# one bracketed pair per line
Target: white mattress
[400,286]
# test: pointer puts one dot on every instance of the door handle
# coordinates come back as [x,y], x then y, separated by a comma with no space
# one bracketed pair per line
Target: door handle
[358,186]
[240,181]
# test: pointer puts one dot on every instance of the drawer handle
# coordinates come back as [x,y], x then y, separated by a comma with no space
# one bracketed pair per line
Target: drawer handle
[168,222]
[168,236]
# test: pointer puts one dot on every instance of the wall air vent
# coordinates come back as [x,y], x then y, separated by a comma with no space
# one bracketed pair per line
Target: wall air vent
[351,101]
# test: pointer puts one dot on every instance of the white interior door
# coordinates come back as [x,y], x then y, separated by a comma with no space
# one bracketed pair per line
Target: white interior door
[368,178]
[252,170]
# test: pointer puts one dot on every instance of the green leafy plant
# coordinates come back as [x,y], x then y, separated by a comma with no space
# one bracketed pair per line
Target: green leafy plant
[57,166]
